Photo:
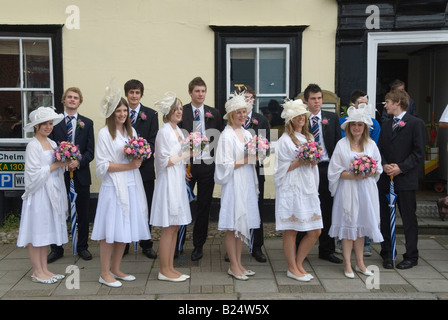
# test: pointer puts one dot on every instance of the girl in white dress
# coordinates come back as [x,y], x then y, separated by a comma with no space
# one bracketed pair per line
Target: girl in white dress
[122,212]
[235,171]
[170,206]
[356,211]
[297,204]
[45,208]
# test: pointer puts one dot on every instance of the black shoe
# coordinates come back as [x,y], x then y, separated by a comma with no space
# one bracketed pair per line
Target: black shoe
[53,256]
[226,258]
[388,264]
[196,254]
[406,264]
[85,254]
[259,256]
[330,257]
[150,253]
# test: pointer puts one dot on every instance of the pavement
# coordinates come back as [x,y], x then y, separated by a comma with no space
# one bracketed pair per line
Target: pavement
[210,281]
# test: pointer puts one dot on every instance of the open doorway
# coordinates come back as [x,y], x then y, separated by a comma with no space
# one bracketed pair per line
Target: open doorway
[420,59]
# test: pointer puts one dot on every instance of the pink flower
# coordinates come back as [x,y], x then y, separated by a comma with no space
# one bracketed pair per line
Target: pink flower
[324,121]
[401,123]
[142,115]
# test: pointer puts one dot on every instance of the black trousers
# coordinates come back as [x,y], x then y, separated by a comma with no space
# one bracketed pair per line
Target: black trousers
[202,177]
[258,235]
[326,243]
[82,214]
[407,205]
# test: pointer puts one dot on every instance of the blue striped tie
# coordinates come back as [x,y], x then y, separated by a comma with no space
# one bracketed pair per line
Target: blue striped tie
[315,128]
[395,125]
[133,116]
[70,128]
[197,121]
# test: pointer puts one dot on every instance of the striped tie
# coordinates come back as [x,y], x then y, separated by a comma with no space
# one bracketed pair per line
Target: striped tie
[246,124]
[133,116]
[197,121]
[315,128]
[70,128]
[395,125]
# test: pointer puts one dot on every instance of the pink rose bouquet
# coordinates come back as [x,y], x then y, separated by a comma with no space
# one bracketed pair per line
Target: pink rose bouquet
[66,151]
[137,148]
[257,144]
[310,151]
[195,141]
[363,165]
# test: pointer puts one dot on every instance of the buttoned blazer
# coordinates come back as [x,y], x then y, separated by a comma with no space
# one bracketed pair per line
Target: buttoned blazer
[213,122]
[85,140]
[331,130]
[147,127]
[406,148]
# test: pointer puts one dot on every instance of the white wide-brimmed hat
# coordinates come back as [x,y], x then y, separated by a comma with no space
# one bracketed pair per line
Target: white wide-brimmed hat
[164,104]
[238,101]
[360,114]
[294,108]
[41,115]
[110,101]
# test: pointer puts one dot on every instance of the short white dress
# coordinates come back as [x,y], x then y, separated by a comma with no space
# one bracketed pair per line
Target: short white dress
[170,204]
[122,211]
[239,193]
[297,204]
[356,209]
[45,205]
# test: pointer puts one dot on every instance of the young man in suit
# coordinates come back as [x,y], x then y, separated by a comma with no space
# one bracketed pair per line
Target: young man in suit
[327,132]
[82,135]
[145,121]
[257,124]
[197,116]
[402,147]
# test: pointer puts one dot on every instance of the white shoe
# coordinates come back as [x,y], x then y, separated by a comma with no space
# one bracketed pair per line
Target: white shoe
[241,277]
[115,284]
[366,273]
[179,279]
[47,281]
[349,275]
[58,276]
[305,278]
[309,275]
[129,277]
[249,273]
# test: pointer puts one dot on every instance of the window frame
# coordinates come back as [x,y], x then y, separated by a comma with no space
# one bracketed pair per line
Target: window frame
[224,35]
[257,48]
[52,33]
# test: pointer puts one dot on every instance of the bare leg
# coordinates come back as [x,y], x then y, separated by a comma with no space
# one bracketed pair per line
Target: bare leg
[306,244]
[289,249]
[166,248]
[106,250]
[117,256]
[347,247]
[35,254]
[359,253]
[234,248]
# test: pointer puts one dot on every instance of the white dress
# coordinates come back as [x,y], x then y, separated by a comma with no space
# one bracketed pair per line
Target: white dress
[170,204]
[297,204]
[45,205]
[122,211]
[356,209]
[239,192]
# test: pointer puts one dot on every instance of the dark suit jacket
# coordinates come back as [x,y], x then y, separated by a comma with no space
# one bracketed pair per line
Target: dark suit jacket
[406,148]
[85,140]
[214,122]
[331,131]
[147,128]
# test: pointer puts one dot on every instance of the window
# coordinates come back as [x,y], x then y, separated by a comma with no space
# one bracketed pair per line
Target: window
[26,82]
[265,68]
[266,58]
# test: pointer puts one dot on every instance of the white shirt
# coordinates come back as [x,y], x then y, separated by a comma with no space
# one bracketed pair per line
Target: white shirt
[204,154]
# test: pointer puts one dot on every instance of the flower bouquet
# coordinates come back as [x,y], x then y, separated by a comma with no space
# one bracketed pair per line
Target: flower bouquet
[257,144]
[66,151]
[195,141]
[363,165]
[137,147]
[310,151]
